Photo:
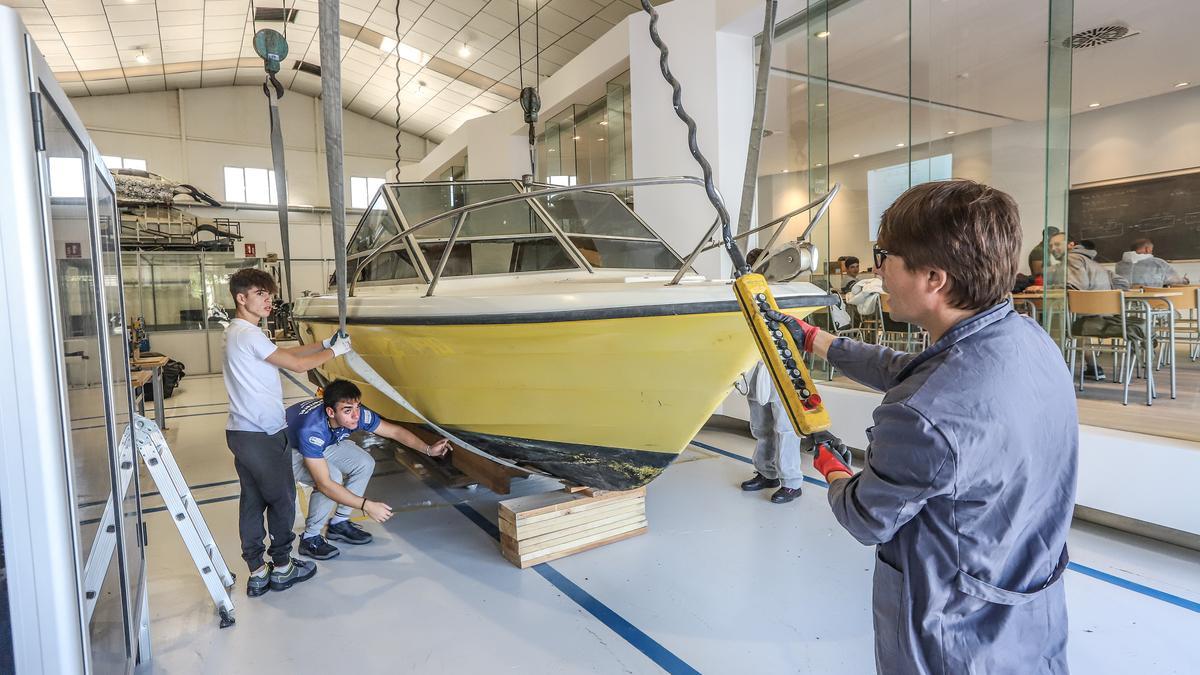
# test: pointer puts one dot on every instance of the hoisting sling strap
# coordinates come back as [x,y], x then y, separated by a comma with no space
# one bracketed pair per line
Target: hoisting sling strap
[331,107]
[274,91]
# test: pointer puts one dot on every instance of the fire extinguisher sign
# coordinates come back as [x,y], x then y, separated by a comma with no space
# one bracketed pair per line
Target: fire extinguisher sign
[250,253]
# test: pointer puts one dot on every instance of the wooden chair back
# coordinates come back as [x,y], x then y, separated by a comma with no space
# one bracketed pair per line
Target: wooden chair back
[1095,302]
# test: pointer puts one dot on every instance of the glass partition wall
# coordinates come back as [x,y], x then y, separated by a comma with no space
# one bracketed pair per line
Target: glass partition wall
[589,143]
[1081,110]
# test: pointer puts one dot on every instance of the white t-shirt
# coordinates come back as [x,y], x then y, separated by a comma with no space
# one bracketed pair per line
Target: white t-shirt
[255,392]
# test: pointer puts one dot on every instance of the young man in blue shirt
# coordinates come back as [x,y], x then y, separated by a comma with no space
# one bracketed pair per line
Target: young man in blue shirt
[338,468]
[255,431]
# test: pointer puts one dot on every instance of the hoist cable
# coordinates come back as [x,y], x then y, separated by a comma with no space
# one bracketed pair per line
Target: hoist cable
[710,188]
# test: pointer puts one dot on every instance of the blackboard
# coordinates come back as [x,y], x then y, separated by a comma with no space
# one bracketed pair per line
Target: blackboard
[1166,210]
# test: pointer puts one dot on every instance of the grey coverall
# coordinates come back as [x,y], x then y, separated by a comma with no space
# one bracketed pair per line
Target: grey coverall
[967,492]
[777,447]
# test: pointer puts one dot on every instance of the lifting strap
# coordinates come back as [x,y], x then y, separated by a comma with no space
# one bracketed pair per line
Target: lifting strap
[331,107]
[750,181]
[281,194]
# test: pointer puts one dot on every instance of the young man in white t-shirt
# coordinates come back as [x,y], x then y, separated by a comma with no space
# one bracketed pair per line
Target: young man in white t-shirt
[256,431]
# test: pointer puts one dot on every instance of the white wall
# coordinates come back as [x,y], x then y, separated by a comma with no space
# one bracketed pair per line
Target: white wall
[190,135]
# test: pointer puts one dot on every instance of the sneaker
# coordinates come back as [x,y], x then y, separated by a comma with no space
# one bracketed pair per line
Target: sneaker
[1096,373]
[316,547]
[257,585]
[301,570]
[348,532]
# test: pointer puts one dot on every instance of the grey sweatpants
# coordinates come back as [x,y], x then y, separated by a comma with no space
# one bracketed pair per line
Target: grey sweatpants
[349,465]
[777,450]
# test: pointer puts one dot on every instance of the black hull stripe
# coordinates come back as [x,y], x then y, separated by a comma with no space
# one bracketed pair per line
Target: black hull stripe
[603,313]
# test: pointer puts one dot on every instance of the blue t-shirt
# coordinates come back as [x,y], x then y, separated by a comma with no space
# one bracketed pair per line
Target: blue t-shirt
[308,427]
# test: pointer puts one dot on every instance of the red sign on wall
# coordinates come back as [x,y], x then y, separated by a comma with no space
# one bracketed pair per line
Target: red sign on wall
[249,250]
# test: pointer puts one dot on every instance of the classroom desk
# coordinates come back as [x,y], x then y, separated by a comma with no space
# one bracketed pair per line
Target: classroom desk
[1143,298]
[154,365]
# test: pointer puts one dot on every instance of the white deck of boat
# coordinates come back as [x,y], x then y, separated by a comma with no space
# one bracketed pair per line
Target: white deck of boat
[536,292]
[724,582]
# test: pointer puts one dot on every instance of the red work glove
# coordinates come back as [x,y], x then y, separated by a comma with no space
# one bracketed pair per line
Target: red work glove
[802,332]
[828,461]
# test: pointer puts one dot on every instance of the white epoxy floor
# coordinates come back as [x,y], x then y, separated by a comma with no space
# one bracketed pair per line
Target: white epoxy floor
[724,582]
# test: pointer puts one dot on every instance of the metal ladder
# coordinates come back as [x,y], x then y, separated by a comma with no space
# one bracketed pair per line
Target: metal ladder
[180,503]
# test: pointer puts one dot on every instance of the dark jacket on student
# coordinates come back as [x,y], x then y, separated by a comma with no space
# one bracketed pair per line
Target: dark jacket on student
[967,493]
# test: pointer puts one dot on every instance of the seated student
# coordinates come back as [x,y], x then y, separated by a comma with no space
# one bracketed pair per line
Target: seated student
[1140,267]
[339,469]
[850,267]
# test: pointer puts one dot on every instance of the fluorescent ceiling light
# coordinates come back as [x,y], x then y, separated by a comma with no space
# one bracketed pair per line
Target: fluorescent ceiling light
[142,58]
[1093,105]
[464,51]
[1182,84]
[407,52]
[857,155]
[823,34]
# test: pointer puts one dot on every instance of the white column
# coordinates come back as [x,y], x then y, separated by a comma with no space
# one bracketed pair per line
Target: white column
[716,71]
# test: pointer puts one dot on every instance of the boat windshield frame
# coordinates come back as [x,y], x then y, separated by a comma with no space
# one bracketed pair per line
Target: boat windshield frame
[405,239]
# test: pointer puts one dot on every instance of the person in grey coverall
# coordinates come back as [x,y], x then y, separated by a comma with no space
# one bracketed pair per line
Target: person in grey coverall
[969,482]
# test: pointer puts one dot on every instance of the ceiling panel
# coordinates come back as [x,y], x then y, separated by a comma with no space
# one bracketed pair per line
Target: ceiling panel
[463,51]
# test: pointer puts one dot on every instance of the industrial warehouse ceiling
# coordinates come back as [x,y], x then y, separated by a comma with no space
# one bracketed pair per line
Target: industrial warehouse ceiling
[458,59]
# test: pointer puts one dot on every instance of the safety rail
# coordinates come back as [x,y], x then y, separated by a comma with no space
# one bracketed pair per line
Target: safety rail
[463,211]
[823,202]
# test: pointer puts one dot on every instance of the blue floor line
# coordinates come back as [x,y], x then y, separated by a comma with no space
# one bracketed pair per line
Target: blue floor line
[1147,591]
[1073,566]
[747,460]
[637,638]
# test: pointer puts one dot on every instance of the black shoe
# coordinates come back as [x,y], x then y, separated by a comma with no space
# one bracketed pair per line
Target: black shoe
[256,586]
[1096,374]
[348,532]
[759,483]
[302,570]
[316,547]
[784,495]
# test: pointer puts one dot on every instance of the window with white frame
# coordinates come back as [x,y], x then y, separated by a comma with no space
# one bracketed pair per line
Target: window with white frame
[362,190]
[249,185]
[114,162]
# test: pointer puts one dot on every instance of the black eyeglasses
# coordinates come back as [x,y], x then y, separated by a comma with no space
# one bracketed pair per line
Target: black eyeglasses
[881,254]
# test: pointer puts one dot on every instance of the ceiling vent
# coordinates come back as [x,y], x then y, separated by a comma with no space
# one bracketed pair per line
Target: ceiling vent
[306,67]
[278,14]
[1100,35]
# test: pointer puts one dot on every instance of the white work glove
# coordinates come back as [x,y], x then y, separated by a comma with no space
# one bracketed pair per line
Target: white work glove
[339,343]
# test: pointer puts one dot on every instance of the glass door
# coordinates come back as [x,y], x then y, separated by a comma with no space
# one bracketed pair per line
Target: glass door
[128,482]
[91,446]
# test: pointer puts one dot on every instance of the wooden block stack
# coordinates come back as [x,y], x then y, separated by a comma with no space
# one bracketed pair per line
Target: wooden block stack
[544,527]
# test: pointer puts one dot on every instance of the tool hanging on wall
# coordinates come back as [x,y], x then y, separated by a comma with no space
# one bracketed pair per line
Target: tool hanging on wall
[273,48]
[531,100]
[776,346]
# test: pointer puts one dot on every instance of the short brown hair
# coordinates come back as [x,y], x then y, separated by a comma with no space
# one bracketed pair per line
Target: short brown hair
[967,229]
[1138,243]
[248,279]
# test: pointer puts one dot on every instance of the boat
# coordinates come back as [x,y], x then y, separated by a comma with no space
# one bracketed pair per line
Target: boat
[561,333]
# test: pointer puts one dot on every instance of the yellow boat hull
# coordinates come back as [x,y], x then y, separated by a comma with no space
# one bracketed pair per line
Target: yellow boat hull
[631,391]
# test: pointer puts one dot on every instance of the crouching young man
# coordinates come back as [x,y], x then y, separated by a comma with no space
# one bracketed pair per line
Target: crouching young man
[337,468]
